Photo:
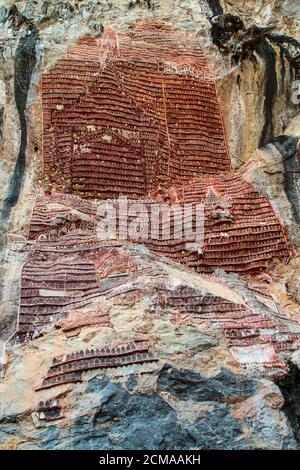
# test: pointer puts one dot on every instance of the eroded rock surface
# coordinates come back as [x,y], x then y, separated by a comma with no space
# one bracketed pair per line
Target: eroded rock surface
[147,344]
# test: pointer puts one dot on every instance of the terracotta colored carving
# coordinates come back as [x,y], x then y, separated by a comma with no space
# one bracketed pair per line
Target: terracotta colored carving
[138,115]
[70,369]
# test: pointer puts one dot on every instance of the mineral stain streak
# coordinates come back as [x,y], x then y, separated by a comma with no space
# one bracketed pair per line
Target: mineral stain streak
[265,50]
[25,60]
[230,35]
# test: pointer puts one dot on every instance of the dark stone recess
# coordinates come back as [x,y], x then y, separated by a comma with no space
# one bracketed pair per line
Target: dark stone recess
[215,7]
[290,389]
[188,385]
[25,60]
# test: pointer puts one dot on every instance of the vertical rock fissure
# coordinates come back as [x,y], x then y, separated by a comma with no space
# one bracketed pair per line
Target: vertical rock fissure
[265,50]
[25,60]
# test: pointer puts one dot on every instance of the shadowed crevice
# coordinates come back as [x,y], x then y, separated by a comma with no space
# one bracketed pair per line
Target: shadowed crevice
[215,7]
[265,50]
[25,60]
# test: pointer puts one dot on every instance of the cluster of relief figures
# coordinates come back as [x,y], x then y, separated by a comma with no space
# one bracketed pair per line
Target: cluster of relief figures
[137,114]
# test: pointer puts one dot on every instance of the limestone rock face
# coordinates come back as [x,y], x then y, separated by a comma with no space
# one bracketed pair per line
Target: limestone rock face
[151,352]
[140,343]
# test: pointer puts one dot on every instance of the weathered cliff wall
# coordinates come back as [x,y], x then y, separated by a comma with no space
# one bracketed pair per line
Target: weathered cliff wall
[190,368]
